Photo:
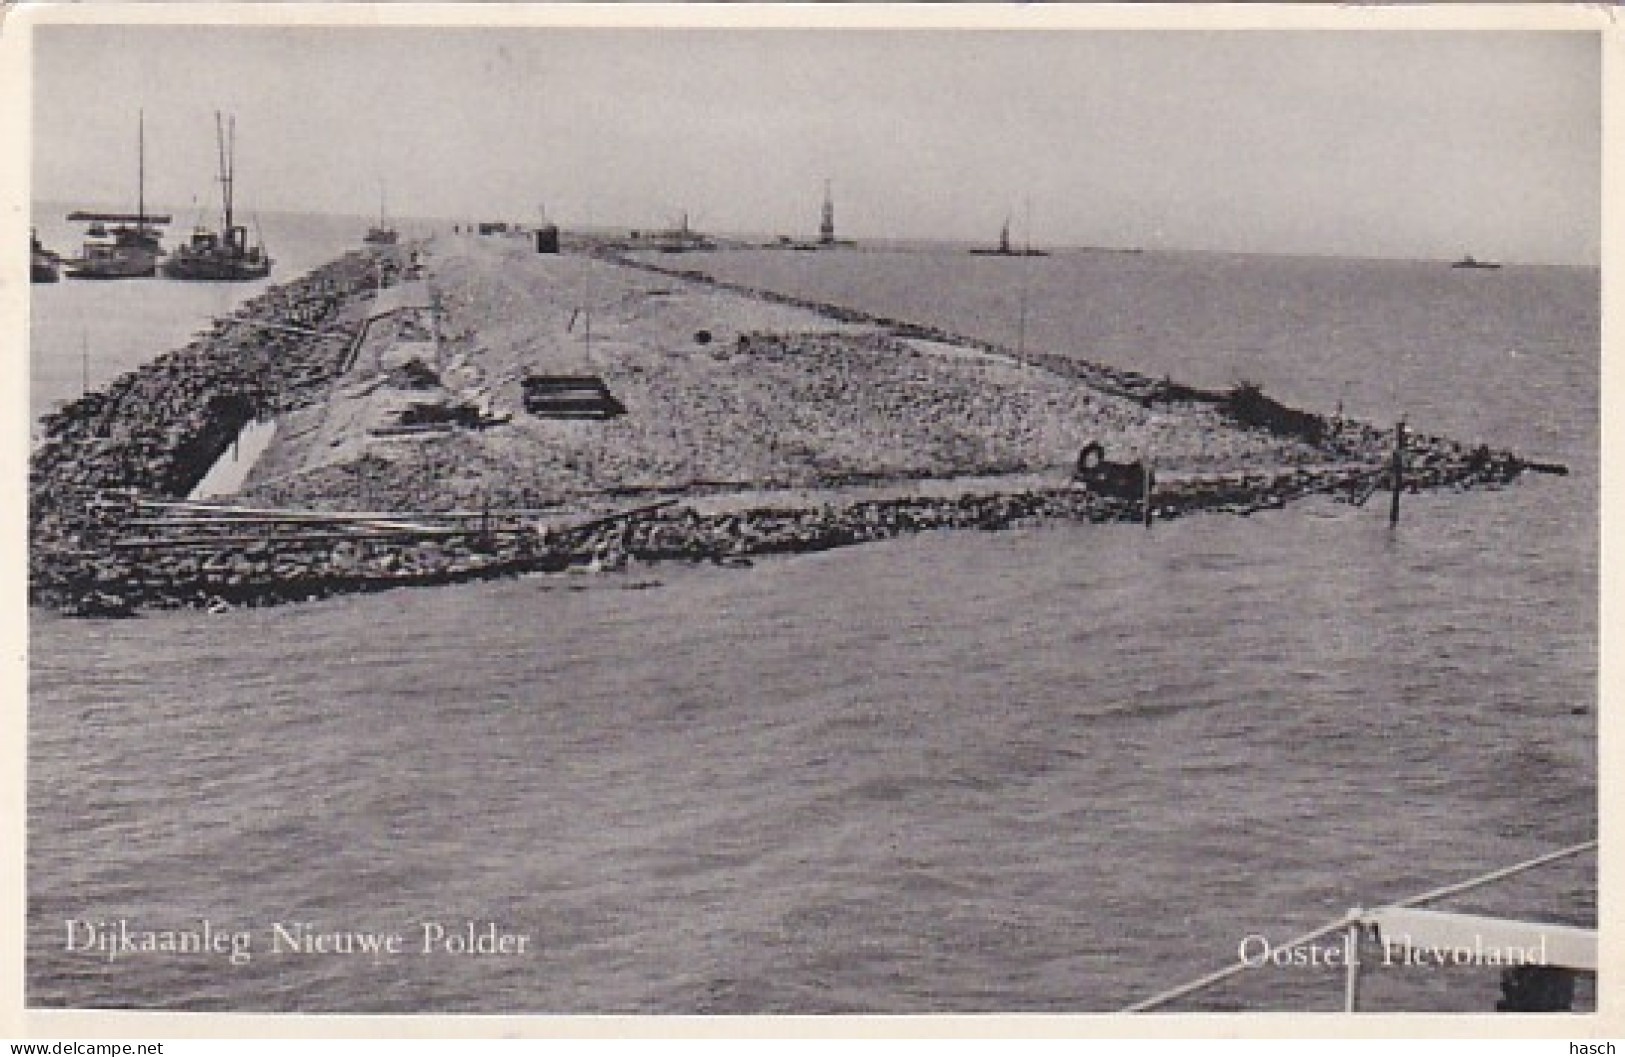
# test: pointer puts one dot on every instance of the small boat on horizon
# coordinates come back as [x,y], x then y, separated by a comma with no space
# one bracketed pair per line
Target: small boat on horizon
[681,239]
[1469,261]
[226,255]
[1005,249]
[381,234]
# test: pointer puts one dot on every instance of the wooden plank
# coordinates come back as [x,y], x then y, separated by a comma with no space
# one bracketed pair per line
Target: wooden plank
[368,524]
[211,513]
[301,537]
[251,520]
[606,519]
[290,328]
[392,519]
[1437,937]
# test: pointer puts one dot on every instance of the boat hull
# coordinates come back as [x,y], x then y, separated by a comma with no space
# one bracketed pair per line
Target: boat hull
[133,268]
[216,269]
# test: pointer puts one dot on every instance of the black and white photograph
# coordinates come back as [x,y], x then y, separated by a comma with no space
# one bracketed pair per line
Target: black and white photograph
[546,513]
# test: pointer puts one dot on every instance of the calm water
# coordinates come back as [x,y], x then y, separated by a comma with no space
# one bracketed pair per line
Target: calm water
[1056,769]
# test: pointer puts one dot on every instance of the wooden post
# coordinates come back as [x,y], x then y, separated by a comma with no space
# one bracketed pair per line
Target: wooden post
[1398,473]
[1145,490]
[1351,954]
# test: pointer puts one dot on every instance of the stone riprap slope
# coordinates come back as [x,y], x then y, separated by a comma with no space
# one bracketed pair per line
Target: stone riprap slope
[404,453]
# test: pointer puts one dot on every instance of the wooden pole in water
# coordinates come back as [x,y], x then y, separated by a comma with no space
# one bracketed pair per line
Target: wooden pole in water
[1026,266]
[1145,490]
[84,363]
[1398,473]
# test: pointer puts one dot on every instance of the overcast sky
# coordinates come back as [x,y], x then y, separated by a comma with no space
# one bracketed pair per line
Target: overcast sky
[1407,144]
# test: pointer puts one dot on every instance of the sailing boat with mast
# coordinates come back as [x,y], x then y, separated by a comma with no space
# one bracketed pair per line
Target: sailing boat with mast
[1005,249]
[1004,244]
[132,248]
[225,255]
[382,234]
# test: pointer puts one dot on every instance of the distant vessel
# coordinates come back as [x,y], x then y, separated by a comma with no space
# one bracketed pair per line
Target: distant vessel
[225,255]
[826,225]
[381,234]
[42,263]
[1005,250]
[132,248]
[826,222]
[1469,262]
[681,239]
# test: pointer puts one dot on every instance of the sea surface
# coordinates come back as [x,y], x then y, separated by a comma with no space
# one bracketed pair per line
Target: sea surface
[1055,769]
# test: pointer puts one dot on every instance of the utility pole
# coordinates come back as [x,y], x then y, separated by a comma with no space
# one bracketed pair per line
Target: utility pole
[1398,473]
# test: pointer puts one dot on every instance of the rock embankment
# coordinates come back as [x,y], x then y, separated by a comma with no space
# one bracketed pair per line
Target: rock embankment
[160,428]
[278,567]
[879,426]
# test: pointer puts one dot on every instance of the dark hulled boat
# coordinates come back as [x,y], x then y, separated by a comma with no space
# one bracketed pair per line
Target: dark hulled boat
[226,255]
[210,256]
[1005,249]
[43,265]
[381,234]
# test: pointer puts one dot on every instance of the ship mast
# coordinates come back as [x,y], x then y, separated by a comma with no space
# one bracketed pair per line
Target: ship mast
[141,172]
[225,166]
[826,226]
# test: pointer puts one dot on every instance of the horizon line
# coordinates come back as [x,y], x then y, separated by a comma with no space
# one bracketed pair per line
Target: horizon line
[769,241]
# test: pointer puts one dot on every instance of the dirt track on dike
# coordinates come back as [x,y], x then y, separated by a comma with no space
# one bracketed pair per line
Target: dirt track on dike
[722,390]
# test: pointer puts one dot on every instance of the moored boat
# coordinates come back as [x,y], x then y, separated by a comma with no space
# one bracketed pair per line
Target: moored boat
[129,251]
[43,265]
[131,248]
[226,255]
